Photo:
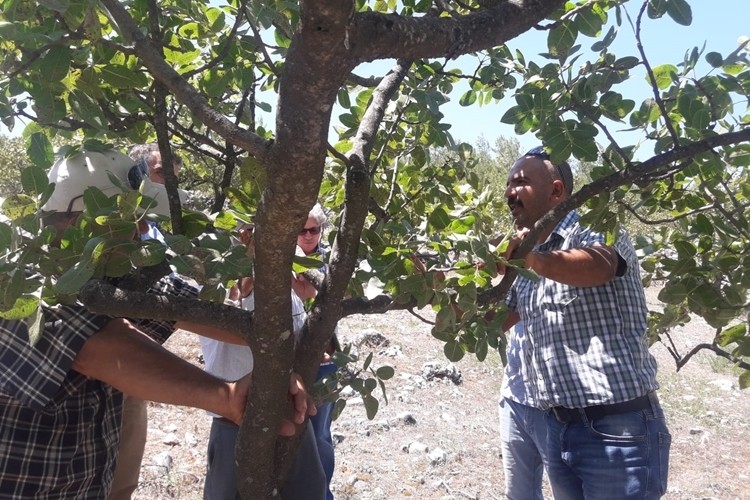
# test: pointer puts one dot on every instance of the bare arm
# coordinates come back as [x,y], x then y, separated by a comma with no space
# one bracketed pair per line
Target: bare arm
[211,332]
[127,359]
[581,267]
[512,318]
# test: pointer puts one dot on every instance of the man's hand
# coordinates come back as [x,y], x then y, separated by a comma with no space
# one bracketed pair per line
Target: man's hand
[302,403]
[297,396]
[303,288]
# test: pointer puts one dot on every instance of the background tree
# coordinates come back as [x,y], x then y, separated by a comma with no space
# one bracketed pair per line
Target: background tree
[195,74]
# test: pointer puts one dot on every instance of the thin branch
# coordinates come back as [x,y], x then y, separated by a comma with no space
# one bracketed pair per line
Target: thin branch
[419,317]
[225,47]
[177,85]
[652,78]
[362,81]
[654,222]
[716,350]
[260,43]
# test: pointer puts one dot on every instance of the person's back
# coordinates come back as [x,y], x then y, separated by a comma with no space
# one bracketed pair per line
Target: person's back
[53,421]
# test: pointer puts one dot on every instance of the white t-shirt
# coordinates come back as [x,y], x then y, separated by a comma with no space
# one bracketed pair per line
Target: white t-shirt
[231,361]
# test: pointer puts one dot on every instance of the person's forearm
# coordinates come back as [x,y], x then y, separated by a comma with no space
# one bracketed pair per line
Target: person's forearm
[211,332]
[125,358]
[510,320]
[581,267]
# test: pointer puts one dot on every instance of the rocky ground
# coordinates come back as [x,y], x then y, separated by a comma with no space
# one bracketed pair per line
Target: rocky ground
[437,437]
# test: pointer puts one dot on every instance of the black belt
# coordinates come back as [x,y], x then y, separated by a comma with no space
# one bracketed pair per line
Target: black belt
[565,415]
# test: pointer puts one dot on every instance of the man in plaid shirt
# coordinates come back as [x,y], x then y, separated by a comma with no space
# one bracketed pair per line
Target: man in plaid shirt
[582,356]
[61,399]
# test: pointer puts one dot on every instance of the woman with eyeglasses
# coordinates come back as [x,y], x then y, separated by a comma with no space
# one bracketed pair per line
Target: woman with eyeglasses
[308,241]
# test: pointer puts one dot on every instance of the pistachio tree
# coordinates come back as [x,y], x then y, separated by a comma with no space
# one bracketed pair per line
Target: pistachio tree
[411,226]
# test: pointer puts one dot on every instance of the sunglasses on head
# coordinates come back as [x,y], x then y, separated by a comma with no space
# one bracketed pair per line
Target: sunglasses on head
[314,231]
[540,152]
[137,173]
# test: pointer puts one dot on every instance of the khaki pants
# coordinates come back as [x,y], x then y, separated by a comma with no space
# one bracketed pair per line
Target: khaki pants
[132,444]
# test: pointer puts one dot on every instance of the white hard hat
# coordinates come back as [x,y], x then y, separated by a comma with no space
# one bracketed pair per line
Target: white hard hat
[73,175]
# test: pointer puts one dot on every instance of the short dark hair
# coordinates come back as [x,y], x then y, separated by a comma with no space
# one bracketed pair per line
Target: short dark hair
[563,169]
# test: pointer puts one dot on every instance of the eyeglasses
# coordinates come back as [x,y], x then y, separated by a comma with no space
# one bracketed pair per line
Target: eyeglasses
[314,231]
[565,174]
[137,173]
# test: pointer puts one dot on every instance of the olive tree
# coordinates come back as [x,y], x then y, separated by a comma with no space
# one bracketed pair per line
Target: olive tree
[411,226]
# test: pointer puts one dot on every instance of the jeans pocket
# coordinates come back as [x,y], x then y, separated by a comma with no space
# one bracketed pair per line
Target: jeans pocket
[665,442]
[623,427]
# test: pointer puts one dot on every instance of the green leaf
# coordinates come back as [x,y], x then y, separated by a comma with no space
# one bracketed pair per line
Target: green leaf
[12,288]
[562,38]
[714,59]
[301,263]
[732,334]
[150,253]
[439,219]
[19,206]
[680,12]
[385,372]
[462,225]
[55,64]
[6,237]
[24,306]
[225,220]
[87,109]
[34,180]
[56,5]
[96,202]
[371,406]
[120,76]
[39,149]
[744,379]
[74,278]
[657,8]
[454,351]
[469,98]
[367,362]
[590,21]
[482,348]
[178,243]
[665,75]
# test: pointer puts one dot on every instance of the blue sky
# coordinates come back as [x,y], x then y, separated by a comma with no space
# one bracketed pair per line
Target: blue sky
[717,23]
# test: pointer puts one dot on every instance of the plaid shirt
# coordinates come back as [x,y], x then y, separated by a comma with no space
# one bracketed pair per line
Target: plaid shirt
[59,430]
[582,346]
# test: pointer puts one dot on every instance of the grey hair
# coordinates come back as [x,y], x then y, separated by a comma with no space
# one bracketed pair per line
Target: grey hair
[319,215]
[144,151]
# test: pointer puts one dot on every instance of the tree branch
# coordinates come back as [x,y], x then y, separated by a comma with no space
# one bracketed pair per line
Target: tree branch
[102,298]
[374,35]
[151,58]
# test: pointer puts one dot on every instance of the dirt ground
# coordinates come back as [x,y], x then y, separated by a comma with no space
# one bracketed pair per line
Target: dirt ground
[438,439]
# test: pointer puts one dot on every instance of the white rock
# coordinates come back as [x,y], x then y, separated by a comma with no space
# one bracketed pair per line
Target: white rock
[447,417]
[191,439]
[438,456]
[171,439]
[417,447]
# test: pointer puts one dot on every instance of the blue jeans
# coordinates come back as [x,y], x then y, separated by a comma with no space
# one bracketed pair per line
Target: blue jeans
[614,457]
[523,441]
[321,423]
[305,480]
